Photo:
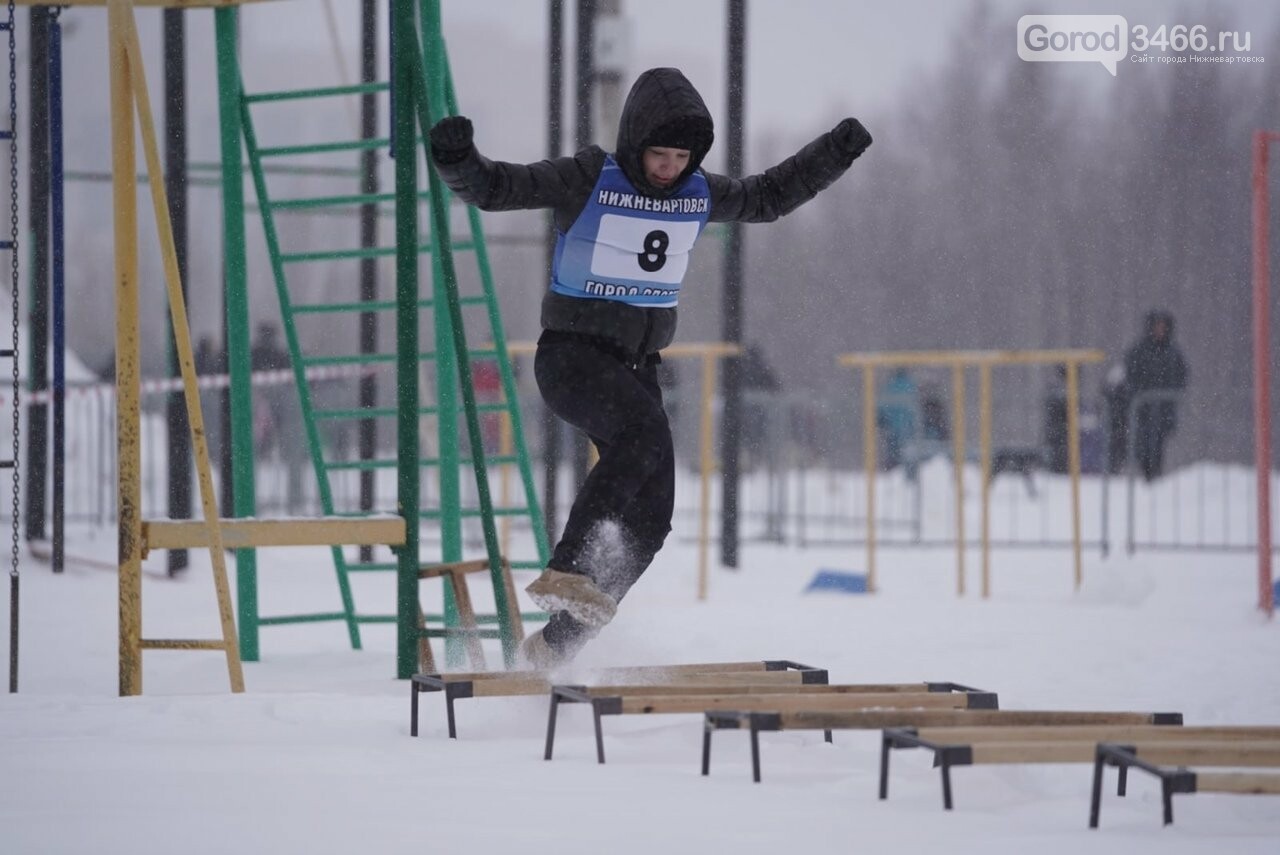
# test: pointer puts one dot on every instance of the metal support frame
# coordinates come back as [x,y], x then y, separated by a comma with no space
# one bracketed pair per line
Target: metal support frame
[1262,345]
[37,445]
[176,186]
[731,295]
[612,705]
[756,722]
[58,291]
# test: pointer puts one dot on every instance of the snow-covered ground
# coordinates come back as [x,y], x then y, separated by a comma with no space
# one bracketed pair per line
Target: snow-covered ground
[316,756]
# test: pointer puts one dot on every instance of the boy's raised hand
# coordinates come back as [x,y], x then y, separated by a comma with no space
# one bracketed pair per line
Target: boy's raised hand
[850,135]
[451,139]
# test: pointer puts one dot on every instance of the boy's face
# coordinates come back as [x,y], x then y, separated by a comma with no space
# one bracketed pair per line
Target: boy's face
[662,165]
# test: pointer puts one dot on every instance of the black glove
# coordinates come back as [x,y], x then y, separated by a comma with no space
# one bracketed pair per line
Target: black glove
[451,139]
[850,136]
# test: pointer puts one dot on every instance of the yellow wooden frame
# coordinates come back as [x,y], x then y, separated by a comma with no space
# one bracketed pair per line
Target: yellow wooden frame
[136,537]
[958,361]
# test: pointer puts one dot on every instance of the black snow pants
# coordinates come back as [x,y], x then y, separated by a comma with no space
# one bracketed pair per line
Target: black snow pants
[622,514]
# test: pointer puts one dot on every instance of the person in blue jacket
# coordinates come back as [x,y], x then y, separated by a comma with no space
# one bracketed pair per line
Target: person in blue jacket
[626,223]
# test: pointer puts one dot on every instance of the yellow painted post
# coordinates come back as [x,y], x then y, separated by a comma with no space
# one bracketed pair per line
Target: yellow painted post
[186,359]
[870,464]
[984,467]
[705,451]
[958,443]
[128,412]
[1073,461]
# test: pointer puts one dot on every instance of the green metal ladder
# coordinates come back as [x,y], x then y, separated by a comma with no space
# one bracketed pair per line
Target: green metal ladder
[449,352]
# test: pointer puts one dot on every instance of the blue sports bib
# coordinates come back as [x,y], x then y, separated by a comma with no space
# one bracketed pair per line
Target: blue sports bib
[628,247]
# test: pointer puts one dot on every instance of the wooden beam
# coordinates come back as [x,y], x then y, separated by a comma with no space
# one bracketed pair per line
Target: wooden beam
[658,703]
[1093,732]
[855,720]
[242,533]
[1211,753]
[1249,783]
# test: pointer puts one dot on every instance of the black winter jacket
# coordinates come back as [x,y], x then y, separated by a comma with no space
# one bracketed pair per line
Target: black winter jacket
[564,185]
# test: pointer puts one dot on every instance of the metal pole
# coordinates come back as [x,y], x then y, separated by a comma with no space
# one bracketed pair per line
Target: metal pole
[1073,463]
[15,286]
[731,295]
[175,188]
[226,25]
[368,429]
[407,424]
[957,459]
[555,107]
[869,465]
[984,470]
[705,453]
[1262,366]
[58,220]
[584,136]
[38,332]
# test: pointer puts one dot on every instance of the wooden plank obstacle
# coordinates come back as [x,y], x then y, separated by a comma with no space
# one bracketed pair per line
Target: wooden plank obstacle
[830,698]
[757,722]
[1158,758]
[505,684]
[1164,740]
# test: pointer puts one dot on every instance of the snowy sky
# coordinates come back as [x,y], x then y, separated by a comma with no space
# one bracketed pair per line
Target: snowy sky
[850,57]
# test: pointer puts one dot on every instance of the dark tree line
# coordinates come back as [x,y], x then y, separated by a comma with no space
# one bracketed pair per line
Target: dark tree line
[1017,205]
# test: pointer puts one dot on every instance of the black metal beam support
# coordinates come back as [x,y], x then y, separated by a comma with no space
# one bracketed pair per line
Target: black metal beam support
[368,430]
[584,135]
[38,226]
[731,312]
[555,108]
[175,187]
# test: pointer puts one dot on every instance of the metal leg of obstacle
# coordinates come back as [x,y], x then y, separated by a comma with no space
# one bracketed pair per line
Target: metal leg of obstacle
[551,724]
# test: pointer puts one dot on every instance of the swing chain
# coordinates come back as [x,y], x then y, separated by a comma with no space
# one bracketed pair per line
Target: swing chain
[13,263]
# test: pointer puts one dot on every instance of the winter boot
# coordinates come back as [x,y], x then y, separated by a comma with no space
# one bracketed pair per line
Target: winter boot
[557,591]
[535,653]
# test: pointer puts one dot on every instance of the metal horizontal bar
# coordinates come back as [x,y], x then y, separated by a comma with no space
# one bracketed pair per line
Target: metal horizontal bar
[356,413]
[436,513]
[374,306]
[372,566]
[330,308]
[330,201]
[324,148]
[7,353]
[276,169]
[319,617]
[492,459]
[389,412]
[360,252]
[386,463]
[350,359]
[243,533]
[324,92]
